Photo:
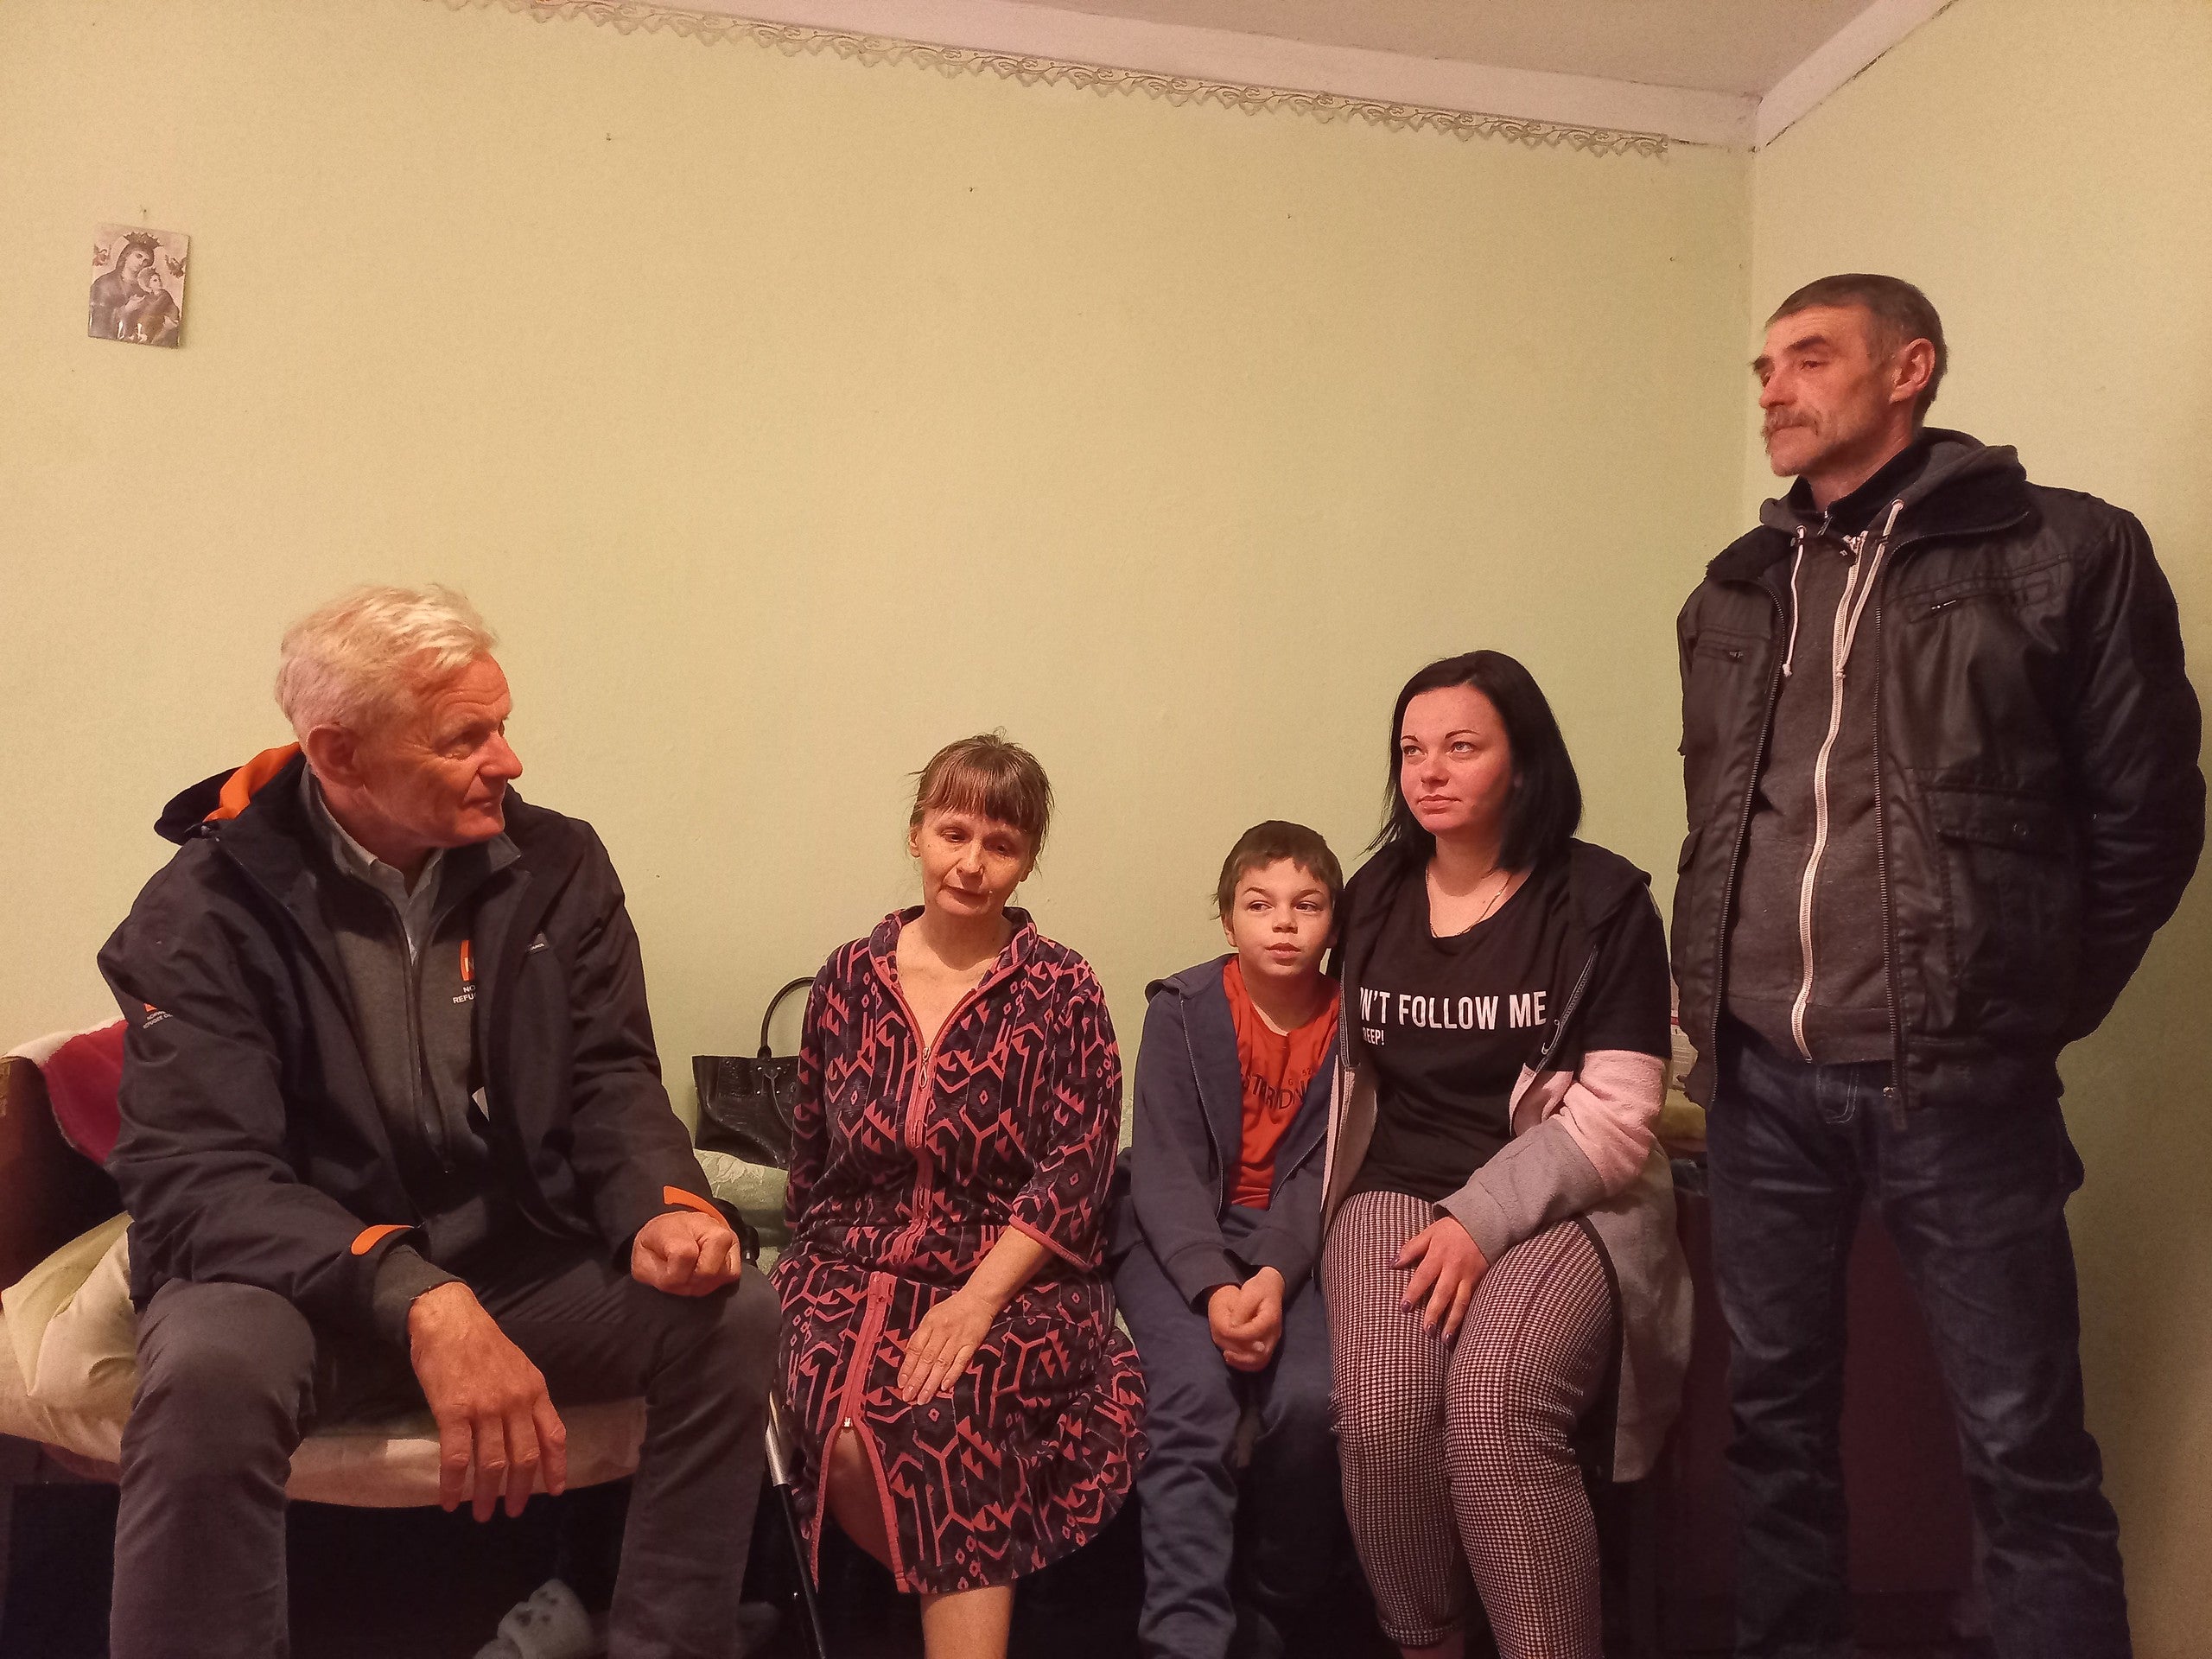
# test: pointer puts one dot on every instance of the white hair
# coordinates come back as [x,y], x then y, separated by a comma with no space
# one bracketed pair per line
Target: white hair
[360,661]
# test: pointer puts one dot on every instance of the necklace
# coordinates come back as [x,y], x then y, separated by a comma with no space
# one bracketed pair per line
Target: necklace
[1495,898]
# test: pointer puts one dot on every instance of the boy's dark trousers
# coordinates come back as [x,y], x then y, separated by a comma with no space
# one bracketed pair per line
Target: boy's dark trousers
[1292,1533]
[232,1375]
[1974,1198]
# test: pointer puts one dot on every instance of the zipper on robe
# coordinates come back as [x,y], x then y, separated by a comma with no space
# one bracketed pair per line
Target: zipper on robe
[851,1418]
[850,1415]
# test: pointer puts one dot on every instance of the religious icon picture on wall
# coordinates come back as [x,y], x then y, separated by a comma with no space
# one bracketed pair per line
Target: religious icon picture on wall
[139,284]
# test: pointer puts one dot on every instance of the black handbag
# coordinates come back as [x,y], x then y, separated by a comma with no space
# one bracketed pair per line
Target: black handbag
[744,1105]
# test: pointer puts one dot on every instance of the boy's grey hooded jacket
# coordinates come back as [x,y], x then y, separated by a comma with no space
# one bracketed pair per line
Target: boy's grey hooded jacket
[1189,1112]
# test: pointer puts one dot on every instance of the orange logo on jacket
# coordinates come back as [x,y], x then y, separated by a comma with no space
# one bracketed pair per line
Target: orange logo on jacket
[467,993]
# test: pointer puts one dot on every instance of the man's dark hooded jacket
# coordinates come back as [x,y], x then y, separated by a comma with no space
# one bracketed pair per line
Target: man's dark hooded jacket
[2038,808]
[252,1148]
[1181,1164]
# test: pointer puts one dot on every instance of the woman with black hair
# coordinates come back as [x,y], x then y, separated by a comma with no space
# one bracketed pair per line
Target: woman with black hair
[1506,1296]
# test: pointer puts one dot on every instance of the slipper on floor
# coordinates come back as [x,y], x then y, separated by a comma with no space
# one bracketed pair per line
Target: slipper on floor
[548,1623]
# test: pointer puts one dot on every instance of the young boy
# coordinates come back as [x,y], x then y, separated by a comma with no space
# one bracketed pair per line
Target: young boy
[1218,1233]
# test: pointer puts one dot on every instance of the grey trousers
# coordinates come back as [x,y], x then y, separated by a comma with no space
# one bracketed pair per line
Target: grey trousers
[1288,1512]
[232,1378]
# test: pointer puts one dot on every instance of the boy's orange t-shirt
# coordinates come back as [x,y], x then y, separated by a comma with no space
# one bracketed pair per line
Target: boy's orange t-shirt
[1277,1065]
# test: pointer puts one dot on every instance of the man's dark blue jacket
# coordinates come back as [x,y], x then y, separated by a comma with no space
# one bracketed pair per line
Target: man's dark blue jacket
[252,1148]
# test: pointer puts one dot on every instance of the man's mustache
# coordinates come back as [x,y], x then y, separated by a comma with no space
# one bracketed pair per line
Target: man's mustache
[1775,423]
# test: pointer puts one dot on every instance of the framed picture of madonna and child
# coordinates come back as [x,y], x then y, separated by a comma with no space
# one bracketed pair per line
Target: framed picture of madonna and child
[139,284]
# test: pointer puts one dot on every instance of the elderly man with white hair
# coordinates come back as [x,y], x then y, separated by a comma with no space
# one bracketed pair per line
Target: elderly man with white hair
[393,1130]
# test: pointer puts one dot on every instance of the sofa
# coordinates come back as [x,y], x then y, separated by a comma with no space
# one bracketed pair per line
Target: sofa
[67,1370]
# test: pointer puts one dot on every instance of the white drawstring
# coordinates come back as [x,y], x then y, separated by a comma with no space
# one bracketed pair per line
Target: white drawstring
[1797,559]
[1866,585]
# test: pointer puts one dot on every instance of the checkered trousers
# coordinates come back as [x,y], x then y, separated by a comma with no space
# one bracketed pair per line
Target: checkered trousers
[1458,1460]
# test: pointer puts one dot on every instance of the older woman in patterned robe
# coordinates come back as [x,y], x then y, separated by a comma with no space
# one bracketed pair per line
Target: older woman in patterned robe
[967,1407]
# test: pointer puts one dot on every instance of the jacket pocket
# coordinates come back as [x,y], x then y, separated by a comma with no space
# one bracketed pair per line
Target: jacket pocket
[1725,645]
[1725,680]
[2021,589]
[1987,817]
[2013,908]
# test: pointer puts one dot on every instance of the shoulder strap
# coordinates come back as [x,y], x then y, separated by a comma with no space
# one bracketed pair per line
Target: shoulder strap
[775,1003]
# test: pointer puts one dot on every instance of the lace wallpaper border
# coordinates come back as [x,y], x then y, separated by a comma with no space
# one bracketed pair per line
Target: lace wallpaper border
[791,40]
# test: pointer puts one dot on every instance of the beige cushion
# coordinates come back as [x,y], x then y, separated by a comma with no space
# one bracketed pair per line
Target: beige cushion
[94,1439]
[754,1191]
[72,1327]
[69,1369]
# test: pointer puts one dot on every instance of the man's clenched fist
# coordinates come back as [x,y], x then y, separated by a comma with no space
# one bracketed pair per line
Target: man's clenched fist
[686,1253]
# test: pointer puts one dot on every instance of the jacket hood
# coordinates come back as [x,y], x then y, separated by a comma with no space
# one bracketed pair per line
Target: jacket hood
[223,797]
[1192,981]
[1602,883]
[1966,487]
[272,777]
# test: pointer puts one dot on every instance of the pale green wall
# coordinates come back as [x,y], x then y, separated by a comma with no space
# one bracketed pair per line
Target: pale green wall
[2043,170]
[792,417]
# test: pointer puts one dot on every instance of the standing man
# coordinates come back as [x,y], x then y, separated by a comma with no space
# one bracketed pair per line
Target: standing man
[1940,760]
[393,1131]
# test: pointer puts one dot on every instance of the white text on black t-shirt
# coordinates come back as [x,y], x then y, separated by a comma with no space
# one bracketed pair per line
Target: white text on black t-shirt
[1380,1009]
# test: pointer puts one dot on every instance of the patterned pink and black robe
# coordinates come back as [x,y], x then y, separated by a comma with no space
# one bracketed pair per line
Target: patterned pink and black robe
[906,1166]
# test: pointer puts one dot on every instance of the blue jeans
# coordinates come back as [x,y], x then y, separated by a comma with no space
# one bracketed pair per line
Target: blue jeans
[1974,1198]
[1291,1512]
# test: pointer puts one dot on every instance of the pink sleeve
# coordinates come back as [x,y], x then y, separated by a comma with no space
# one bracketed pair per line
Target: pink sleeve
[1610,1111]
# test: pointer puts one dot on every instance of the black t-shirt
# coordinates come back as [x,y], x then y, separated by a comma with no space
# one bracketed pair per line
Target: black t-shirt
[1450,1023]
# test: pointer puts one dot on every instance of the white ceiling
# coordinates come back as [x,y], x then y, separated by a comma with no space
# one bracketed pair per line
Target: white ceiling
[1730,73]
[1716,46]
